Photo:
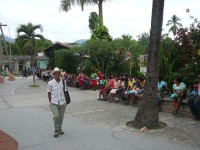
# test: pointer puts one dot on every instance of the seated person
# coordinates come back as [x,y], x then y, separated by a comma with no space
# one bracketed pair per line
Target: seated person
[109,87]
[131,83]
[179,93]
[137,92]
[117,85]
[162,89]
[194,100]
[120,90]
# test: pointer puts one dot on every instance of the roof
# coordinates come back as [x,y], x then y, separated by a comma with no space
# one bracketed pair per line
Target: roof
[56,46]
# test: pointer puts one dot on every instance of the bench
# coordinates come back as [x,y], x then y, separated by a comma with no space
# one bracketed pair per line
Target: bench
[166,106]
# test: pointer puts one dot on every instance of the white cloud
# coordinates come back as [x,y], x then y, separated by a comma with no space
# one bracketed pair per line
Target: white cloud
[121,17]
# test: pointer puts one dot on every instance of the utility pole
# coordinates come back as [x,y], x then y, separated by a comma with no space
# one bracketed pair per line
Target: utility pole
[1,56]
[3,37]
[10,67]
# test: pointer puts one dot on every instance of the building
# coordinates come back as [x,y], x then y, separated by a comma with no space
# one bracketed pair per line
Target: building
[143,63]
[49,51]
[18,62]
[57,46]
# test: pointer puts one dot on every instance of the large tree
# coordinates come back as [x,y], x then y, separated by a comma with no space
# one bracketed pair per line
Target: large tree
[174,23]
[100,53]
[27,37]
[148,114]
[67,4]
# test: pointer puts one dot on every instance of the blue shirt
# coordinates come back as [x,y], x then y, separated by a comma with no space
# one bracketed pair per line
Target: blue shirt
[161,84]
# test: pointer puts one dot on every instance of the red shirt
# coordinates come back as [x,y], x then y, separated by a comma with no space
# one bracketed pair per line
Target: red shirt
[100,75]
[111,83]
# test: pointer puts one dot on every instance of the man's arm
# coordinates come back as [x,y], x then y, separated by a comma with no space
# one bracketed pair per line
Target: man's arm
[49,97]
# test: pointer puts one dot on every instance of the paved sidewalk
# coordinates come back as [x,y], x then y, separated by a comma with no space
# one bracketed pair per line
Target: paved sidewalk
[89,124]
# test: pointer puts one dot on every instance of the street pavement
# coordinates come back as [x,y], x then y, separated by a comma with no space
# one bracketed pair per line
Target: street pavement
[89,124]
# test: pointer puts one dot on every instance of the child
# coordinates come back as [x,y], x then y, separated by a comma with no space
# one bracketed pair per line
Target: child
[103,89]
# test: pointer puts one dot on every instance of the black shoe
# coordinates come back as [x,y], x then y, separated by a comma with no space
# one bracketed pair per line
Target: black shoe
[56,133]
[61,132]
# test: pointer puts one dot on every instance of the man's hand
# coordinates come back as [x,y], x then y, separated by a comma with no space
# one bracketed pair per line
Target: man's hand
[49,97]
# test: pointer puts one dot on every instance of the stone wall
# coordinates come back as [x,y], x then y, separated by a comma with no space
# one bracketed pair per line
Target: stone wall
[166,106]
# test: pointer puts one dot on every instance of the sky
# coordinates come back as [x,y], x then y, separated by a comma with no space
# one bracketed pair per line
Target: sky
[131,17]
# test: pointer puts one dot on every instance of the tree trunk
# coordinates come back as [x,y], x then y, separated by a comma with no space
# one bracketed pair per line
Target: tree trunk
[100,13]
[148,114]
[33,67]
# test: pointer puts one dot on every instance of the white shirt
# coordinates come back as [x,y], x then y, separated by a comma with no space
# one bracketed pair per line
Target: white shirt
[56,90]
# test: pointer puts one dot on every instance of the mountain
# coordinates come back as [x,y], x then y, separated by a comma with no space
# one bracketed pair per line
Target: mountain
[10,40]
[80,42]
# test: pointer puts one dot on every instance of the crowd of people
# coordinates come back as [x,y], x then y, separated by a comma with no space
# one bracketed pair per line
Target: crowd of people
[128,90]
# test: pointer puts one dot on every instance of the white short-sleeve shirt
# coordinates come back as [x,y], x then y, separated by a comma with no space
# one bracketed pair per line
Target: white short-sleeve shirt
[180,87]
[56,90]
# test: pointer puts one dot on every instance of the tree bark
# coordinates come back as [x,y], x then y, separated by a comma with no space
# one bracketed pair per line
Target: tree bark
[100,13]
[148,114]
[33,67]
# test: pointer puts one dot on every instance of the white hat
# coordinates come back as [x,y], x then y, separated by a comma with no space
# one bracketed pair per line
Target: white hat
[56,69]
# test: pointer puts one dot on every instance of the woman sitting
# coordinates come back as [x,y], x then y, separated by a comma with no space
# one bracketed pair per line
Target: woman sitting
[179,93]
[129,89]
[117,84]
[137,91]
[162,89]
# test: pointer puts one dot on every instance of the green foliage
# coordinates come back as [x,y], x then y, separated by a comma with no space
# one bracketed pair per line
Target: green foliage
[65,59]
[143,40]
[99,52]
[27,37]
[174,22]
[126,53]
[101,33]
[169,62]
[188,74]
[119,56]
[66,5]
[180,58]
[42,44]
[20,48]
[93,21]
[88,67]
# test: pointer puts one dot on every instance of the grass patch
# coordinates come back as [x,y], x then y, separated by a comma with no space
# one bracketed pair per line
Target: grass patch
[34,86]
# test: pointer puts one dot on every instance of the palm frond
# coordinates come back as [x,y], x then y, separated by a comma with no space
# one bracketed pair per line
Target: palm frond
[39,26]
[66,5]
[39,36]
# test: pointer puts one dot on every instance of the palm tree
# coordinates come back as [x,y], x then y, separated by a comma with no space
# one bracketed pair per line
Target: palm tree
[67,4]
[147,114]
[27,37]
[127,36]
[174,22]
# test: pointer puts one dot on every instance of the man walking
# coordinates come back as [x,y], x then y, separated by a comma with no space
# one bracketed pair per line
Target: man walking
[57,99]
[25,72]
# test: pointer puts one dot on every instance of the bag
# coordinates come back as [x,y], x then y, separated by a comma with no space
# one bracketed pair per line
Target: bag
[66,93]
